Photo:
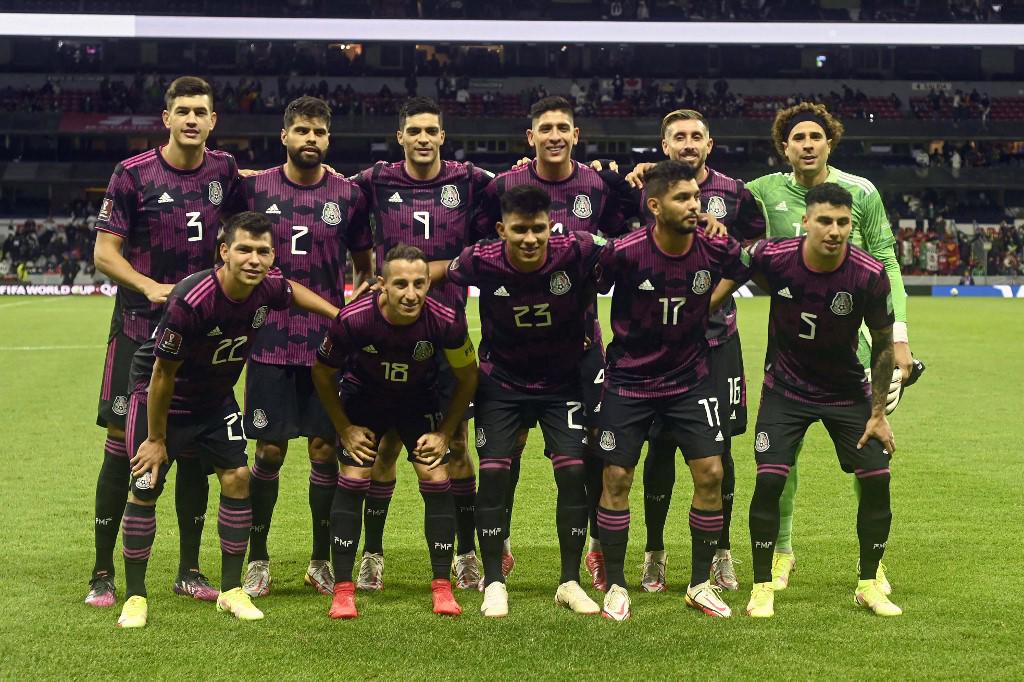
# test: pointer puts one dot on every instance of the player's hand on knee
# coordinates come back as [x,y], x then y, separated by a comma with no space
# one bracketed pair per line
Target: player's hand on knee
[431,449]
[360,443]
[151,456]
[635,177]
[879,429]
[712,227]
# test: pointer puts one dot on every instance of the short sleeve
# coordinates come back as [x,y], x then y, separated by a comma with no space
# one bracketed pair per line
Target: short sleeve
[607,267]
[591,246]
[487,212]
[336,344]
[749,222]
[621,206]
[878,311]
[119,206]
[359,236]
[456,333]
[177,327]
[280,290]
[462,269]
[239,198]
[733,263]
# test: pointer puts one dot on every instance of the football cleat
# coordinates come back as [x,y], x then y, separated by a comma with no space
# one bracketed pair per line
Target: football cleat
[880,578]
[652,573]
[344,603]
[704,597]
[320,576]
[571,596]
[508,562]
[444,600]
[723,570]
[371,572]
[782,566]
[495,604]
[196,585]
[870,596]
[466,570]
[616,604]
[595,566]
[238,604]
[762,601]
[256,582]
[134,613]
[101,590]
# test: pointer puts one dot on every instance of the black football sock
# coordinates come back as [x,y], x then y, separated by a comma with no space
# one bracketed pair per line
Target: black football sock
[594,466]
[492,514]
[346,524]
[764,517]
[139,529]
[659,478]
[323,479]
[464,494]
[439,525]
[111,496]
[705,529]
[510,495]
[378,499]
[570,513]
[728,492]
[263,486]
[191,495]
[234,521]
[614,528]
[874,518]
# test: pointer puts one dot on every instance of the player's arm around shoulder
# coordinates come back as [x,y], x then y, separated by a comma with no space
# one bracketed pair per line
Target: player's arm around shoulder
[309,301]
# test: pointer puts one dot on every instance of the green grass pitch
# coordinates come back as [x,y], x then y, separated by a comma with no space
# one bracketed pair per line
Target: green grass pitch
[954,555]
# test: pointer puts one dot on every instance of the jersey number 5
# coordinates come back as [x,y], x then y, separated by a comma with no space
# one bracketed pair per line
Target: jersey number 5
[812,326]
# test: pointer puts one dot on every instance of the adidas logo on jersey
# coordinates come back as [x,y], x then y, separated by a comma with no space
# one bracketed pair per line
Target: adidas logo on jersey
[646,285]
[781,206]
[369,349]
[215,331]
[501,291]
[784,292]
[165,198]
[395,198]
[274,210]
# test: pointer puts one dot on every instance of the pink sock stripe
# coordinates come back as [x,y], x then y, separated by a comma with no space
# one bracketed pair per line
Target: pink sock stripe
[263,474]
[612,521]
[778,469]
[562,461]
[464,486]
[229,547]
[868,473]
[496,463]
[108,369]
[381,490]
[115,447]
[705,523]
[322,480]
[137,554]
[359,485]
[435,486]
[139,522]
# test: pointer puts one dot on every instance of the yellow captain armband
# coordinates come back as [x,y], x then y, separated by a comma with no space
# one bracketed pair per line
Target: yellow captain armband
[462,356]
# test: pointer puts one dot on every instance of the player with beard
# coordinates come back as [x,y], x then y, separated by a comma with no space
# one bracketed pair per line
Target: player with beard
[318,218]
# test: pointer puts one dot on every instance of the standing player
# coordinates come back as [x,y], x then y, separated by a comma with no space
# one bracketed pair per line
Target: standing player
[823,289]
[428,203]
[157,224]
[318,217]
[582,200]
[659,364]
[535,289]
[183,400]
[386,344]
[805,135]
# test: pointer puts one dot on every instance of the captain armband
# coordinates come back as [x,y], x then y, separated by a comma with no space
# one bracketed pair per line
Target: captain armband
[463,356]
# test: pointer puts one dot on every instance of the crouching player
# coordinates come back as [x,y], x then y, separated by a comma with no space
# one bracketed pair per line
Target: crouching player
[386,346]
[183,400]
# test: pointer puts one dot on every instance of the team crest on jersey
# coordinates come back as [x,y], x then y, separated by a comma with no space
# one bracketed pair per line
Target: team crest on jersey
[560,283]
[716,207]
[581,207]
[761,442]
[481,437]
[331,214]
[216,193]
[607,441]
[701,282]
[259,419]
[260,317]
[120,406]
[842,304]
[422,351]
[450,196]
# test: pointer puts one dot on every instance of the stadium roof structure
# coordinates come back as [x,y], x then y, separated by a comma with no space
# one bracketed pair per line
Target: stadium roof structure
[461,31]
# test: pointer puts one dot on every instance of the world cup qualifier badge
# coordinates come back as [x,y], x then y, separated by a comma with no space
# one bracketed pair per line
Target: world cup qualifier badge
[450,196]
[422,351]
[260,317]
[701,282]
[560,283]
[216,193]
[842,304]
[581,207]
[331,214]
[716,207]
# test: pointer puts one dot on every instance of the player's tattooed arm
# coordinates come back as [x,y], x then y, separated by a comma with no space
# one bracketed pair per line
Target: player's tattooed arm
[109,260]
[359,441]
[307,300]
[882,362]
[152,453]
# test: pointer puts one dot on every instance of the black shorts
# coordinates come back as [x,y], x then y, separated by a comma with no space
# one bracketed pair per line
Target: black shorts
[409,417]
[592,376]
[446,384]
[623,424]
[216,436]
[782,423]
[730,385]
[114,389]
[281,403]
[501,414]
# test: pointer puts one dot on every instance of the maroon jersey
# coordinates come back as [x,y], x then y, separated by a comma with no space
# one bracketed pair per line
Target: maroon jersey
[660,311]
[815,318]
[315,226]
[734,206]
[434,215]
[168,219]
[389,360]
[533,326]
[211,334]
